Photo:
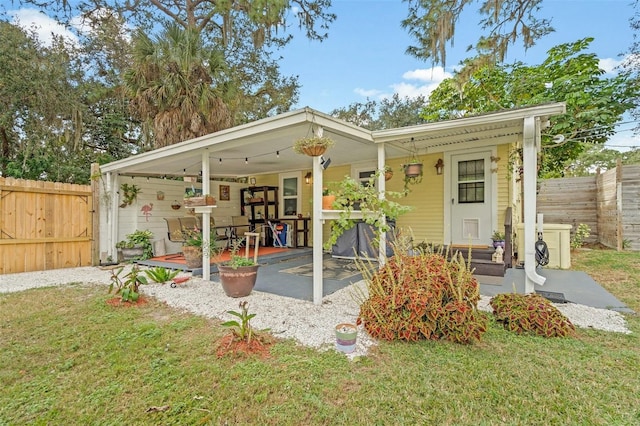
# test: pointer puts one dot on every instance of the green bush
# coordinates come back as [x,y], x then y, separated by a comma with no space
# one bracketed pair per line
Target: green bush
[530,313]
[423,297]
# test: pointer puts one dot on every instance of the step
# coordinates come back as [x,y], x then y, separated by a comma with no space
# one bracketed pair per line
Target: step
[487,267]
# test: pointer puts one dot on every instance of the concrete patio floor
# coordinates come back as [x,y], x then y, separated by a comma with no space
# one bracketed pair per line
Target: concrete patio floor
[574,286]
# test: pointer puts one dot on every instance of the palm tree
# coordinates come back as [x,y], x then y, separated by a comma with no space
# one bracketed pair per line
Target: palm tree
[173,86]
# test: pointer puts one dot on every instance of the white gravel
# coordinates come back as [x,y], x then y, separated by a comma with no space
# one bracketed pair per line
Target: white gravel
[309,324]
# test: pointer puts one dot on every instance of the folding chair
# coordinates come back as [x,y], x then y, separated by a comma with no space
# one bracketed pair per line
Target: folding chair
[277,230]
[240,226]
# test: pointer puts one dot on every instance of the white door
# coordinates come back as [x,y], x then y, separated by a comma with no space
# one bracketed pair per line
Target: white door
[471,199]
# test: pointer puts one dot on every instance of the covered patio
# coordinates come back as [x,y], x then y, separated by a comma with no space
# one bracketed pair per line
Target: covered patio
[265,146]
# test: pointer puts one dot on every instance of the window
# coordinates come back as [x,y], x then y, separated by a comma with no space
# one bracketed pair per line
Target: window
[471,181]
[363,175]
[290,194]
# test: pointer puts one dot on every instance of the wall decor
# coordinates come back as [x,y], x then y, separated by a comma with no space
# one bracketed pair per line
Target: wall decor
[225,193]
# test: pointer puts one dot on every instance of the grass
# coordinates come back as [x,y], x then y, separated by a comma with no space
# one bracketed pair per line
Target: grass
[66,357]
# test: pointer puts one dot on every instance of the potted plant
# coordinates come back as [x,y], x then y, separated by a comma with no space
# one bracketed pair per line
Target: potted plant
[346,335]
[129,193]
[327,199]
[137,246]
[312,146]
[388,173]
[192,199]
[412,172]
[352,195]
[238,275]
[412,168]
[193,245]
[498,239]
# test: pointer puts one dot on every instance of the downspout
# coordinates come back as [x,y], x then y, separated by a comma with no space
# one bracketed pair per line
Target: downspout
[530,148]
[112,188]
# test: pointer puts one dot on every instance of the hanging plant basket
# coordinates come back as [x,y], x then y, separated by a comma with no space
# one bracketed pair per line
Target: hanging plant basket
[313,146]
[413,170]
[314,151]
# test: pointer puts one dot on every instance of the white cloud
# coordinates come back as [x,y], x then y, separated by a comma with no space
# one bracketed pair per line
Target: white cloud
[43,26]
[608,65]
[418,82]
[368,93]
[436,74]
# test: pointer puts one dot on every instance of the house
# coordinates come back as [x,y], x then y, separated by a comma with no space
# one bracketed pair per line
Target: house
[462,205]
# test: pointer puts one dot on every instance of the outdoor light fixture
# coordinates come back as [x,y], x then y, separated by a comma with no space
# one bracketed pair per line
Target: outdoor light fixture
[324,162]
[307,178]
[439,166]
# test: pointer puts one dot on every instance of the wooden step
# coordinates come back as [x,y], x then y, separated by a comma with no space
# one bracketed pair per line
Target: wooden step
[487,267]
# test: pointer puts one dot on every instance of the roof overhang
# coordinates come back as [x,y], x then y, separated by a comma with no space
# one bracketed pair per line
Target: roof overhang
[266,146]
[486,129]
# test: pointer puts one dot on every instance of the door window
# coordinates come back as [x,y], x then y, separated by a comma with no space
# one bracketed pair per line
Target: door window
[471,181]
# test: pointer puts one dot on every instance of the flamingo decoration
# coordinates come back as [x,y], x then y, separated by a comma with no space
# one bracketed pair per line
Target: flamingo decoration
[146,211]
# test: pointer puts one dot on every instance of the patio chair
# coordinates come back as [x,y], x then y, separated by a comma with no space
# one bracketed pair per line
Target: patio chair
[240,227]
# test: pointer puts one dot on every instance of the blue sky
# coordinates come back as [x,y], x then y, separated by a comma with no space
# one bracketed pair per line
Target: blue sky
[364,54]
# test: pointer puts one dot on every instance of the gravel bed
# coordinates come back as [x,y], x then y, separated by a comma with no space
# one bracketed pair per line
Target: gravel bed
[309,324]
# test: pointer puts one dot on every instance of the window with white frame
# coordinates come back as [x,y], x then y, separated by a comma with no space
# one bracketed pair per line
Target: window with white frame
[290,194]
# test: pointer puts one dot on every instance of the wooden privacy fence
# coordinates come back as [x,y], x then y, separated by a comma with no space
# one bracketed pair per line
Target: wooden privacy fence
[44,225]
[609,203]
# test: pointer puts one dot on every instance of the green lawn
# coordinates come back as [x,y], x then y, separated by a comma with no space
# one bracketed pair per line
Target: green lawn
[68,358]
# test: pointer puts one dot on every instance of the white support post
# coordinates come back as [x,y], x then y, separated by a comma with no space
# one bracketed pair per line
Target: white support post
[206,219]
[112,224]
[317,231]
[530,147]
[382,249]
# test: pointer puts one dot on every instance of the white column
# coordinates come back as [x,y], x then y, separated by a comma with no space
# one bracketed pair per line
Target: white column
[530,147]
[317,231]
[381,188]
[206,218]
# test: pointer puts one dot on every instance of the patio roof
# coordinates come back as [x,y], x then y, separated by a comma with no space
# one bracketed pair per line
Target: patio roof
[266,144]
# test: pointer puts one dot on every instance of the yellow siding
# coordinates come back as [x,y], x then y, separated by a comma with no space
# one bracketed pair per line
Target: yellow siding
[426,219]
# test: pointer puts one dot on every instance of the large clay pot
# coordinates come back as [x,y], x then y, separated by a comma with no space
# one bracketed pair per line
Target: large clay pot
[192,256]
[327,202]
[238,282]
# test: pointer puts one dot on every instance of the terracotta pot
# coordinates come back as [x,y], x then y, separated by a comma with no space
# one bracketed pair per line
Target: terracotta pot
[413,169]
[238,282]
[314,151]
[388,175]
[327,202]
[210,200]
[192,256]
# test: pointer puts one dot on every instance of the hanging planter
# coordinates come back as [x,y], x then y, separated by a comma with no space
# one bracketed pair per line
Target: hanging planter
[313,146]
[413,170]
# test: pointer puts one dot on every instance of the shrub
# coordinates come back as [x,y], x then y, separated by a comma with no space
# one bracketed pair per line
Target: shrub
[582,233]
[530,313]
[422,297]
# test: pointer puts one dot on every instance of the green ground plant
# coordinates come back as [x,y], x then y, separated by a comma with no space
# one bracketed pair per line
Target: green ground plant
[424,296]
[531,313]
[160,274]
[242,329]
[127,286]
